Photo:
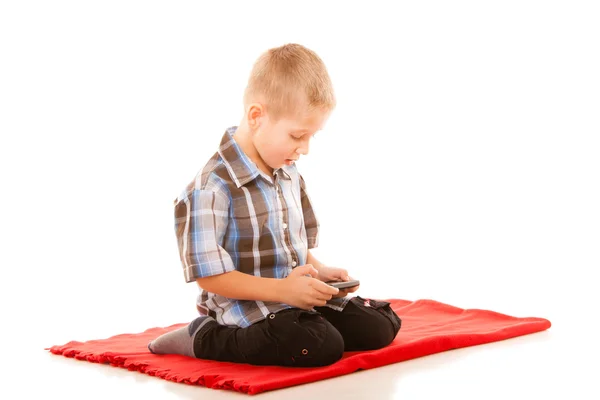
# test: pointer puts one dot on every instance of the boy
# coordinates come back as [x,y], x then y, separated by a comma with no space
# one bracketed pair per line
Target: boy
[244,228]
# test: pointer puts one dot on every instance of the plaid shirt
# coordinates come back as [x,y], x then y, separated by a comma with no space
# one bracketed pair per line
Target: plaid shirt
[234,217]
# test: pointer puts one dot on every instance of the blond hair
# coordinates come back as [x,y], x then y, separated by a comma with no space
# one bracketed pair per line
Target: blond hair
[288,80]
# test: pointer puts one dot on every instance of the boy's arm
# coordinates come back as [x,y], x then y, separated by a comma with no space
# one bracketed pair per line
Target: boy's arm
[311,223]
[310,259]
[237,285]
[201,219]
[297,289]
[240,286]
[326,273]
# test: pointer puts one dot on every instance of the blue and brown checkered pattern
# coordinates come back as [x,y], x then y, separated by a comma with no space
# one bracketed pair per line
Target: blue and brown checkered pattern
[234,217]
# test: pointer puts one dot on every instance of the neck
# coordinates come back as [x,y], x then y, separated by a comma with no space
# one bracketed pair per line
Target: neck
[243,137]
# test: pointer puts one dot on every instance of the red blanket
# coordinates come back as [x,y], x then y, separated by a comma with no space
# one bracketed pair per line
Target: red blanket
[427,327]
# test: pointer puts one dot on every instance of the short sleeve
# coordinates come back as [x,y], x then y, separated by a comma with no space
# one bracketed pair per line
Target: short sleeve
[310,220]
[201,218]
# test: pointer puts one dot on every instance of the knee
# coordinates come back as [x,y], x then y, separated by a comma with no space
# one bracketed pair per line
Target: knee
[379,328]
[331,347]
[310,341]
[381,334]
[388,327]
[319,343]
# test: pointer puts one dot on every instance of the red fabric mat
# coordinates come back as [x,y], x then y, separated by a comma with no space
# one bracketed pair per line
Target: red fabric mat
[427,327]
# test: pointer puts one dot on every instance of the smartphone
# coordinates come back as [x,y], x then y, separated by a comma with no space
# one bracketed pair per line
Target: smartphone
[343,284]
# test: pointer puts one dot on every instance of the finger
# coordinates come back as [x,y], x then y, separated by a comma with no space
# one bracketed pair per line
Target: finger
[307,269]
[325,288]
[315,299]
[320,296]
[312,270]
[319,302]
[353,289]
[315,294]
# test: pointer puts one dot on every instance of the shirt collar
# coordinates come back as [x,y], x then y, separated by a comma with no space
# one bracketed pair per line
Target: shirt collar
[240,167]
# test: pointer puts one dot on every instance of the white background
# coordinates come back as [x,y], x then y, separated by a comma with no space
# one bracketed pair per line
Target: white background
[462,165]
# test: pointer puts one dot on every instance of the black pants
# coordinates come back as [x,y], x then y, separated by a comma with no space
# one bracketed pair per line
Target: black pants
[299,338]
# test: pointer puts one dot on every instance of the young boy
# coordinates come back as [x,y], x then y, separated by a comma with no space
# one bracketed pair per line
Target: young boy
[244,228]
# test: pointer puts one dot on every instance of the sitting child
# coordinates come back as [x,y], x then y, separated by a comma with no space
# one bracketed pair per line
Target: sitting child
[245,227]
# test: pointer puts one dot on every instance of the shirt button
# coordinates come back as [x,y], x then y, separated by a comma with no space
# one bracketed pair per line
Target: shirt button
[284,225]
[294,263]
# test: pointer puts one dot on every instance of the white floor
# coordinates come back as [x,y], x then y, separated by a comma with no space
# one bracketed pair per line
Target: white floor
[461,165]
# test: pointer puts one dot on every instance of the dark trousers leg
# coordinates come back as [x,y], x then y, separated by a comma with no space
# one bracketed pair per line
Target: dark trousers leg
[288,338]
[365,324]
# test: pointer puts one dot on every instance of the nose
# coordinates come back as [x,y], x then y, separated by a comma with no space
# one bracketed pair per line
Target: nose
[303,150]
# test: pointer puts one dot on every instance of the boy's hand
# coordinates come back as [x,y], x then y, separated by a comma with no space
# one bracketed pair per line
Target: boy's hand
[306,292]
[327,274]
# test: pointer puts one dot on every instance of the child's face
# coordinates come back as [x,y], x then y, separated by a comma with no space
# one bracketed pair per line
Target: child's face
[284,141]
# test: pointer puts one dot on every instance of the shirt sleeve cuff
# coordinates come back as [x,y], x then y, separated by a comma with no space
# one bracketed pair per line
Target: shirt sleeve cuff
[218,267]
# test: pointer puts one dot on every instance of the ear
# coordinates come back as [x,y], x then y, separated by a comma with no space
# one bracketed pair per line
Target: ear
[255,115]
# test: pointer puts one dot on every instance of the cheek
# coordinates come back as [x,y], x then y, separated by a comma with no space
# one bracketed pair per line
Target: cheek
[269,149]
[277,146]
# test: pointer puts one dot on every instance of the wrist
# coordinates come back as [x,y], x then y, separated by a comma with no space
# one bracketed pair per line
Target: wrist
[318,266]
[279,290]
